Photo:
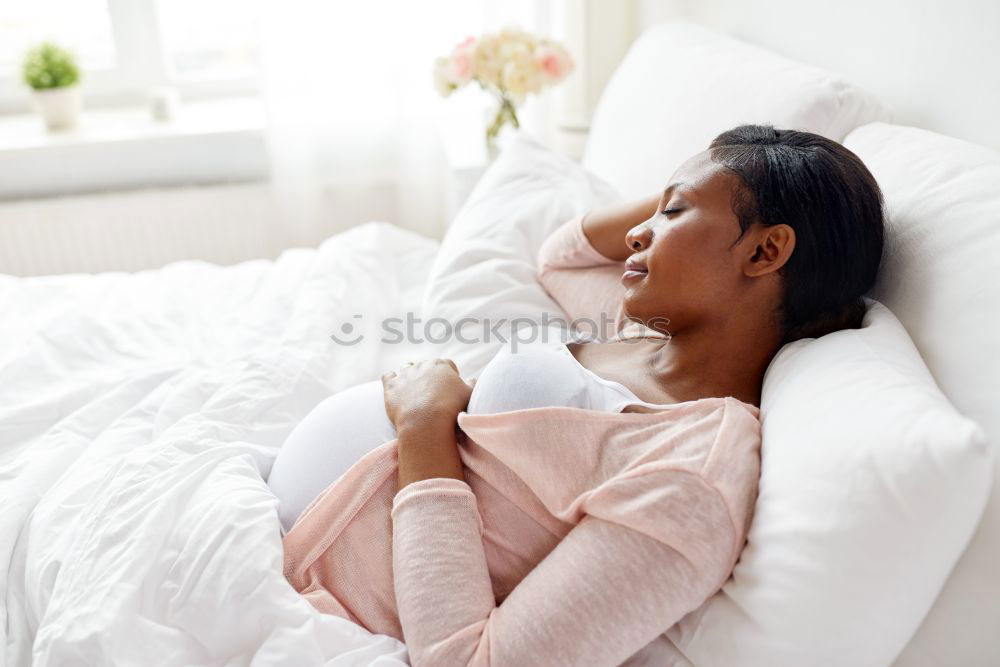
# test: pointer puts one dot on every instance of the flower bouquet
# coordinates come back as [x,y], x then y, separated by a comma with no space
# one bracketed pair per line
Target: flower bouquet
[509,64]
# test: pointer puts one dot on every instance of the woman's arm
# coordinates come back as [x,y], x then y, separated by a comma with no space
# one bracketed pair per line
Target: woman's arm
[606,228]
[601,595]
[580,264]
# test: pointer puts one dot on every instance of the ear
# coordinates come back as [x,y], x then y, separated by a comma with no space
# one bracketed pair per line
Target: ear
[768,249]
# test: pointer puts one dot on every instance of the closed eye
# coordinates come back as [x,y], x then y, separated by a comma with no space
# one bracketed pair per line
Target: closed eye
[668,211]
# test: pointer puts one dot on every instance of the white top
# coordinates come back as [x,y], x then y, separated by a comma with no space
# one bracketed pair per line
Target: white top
[545,376]
[352,422]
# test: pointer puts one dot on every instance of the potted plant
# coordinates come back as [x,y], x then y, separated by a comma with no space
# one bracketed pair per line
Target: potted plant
[510,65]
[53,76]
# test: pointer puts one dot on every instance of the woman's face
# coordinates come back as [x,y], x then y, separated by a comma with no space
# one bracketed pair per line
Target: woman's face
[685,269]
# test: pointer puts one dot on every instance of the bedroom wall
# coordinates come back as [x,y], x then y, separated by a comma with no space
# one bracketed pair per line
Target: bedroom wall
[936,63]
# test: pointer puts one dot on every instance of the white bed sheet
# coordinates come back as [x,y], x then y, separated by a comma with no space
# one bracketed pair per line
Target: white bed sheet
[139,416]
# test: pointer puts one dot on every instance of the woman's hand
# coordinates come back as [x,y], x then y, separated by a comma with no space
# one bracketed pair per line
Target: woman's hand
[423,400]
[425,392]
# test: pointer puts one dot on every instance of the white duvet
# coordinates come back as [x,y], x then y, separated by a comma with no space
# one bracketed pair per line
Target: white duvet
[139,416]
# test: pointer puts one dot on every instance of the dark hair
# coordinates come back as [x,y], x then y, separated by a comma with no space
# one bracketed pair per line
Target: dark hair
[826,194]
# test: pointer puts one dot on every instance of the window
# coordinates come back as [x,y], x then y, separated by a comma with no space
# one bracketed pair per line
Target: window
[209,40]
[83,26]
[205,48]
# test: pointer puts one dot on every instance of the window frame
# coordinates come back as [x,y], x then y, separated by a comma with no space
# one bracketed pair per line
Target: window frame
[140,64]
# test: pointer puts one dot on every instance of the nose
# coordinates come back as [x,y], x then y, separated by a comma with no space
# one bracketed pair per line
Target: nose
[639,237]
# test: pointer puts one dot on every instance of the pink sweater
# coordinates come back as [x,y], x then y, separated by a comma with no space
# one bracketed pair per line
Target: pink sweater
[577,538]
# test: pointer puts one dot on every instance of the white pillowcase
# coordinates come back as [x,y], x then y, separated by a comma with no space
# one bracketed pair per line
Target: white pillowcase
[486,267]
[871,485]
[942,278]
[681,84]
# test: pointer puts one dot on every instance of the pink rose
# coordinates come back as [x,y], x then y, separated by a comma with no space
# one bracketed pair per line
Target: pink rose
[555,63]
[461,66]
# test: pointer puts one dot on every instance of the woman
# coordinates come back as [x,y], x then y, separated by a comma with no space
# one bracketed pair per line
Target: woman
[597,493]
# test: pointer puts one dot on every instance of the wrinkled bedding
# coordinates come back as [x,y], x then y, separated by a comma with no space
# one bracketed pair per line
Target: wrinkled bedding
[139,417]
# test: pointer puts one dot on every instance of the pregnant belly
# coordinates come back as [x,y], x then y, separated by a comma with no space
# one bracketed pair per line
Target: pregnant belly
[331,438]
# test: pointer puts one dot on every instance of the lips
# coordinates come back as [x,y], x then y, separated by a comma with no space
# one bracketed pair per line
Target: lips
[634,270]
[633,265]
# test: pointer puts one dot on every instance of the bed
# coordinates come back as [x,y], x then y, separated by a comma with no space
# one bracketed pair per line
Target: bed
[140,413]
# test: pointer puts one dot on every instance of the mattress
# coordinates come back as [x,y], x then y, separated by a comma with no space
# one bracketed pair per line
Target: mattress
[139,417]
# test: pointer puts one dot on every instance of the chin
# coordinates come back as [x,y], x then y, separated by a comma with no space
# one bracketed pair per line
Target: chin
[628,307]
[634,310]
[656,321]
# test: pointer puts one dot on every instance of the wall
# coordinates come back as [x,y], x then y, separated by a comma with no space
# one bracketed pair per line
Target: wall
[936,63]
[598,33]
[145,229]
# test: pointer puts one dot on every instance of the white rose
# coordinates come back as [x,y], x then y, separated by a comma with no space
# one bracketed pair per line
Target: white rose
[521,76]
[486,63]
[442,81]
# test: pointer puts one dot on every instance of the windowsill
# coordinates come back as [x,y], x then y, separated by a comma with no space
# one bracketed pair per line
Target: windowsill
[208,142]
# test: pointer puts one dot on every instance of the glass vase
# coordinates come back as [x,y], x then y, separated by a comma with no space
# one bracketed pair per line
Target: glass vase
[506,113]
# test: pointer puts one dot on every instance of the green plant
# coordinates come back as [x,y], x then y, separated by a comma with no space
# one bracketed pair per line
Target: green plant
[50,66]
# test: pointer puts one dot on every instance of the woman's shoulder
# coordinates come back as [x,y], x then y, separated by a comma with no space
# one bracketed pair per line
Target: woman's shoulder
[728,433]
[723,421]
[717,438]
[697,436]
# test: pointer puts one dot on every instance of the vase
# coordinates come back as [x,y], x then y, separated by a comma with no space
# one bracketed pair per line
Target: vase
[59,107]
[506,113]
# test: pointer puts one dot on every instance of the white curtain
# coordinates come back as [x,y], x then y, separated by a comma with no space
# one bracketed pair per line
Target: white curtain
[355,125]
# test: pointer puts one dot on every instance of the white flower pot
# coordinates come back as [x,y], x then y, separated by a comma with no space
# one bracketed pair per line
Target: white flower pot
[60,107]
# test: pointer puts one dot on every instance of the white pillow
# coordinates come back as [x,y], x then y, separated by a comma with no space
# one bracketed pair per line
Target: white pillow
[942,278]
[871,485]
[486,267]
[680,85]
